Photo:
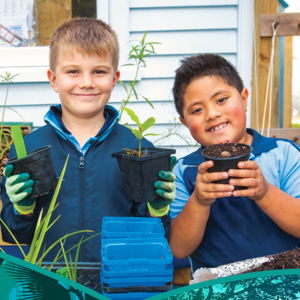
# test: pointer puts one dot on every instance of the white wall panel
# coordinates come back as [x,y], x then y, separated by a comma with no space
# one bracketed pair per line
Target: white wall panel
[188,18]
[191,42]
[180,3]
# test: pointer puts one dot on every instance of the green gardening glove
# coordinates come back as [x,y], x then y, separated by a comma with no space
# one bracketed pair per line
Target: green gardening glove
[166,190]
[18,187]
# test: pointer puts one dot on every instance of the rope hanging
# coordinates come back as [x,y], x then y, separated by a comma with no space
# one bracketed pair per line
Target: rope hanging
[270,82]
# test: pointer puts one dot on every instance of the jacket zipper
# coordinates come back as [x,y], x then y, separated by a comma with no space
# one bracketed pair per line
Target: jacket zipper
[81,205]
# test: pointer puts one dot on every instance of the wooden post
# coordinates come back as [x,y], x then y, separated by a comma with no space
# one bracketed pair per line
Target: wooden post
[288,72]
[263,53]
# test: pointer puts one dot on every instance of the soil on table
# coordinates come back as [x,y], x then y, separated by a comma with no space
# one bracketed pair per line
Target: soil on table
[285,260]
[226,150]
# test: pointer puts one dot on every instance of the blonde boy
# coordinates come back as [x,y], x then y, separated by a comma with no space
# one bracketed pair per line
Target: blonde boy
[84,55]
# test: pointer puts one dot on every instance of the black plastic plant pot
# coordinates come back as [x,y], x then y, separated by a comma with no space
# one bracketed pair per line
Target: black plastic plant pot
[223,164]
[140,173]
[38,164]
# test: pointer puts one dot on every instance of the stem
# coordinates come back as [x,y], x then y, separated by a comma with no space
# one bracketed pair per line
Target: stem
[140,144]
[131,89]
[4,106]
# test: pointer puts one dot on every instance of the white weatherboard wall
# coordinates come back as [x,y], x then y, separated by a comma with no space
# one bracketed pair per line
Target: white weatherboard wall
[183,27]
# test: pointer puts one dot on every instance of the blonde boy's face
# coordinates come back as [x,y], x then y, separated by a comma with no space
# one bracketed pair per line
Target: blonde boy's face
[215,112]
[84,83]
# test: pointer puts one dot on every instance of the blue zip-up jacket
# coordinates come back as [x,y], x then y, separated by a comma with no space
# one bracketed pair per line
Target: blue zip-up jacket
[91,189]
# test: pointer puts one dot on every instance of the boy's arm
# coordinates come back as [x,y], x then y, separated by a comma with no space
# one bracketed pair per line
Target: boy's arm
[281,207]
[188,227]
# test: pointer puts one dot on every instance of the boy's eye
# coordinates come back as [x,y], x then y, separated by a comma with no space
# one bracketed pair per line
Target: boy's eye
[99,72]
[221,100]
[197,110]
[72,71]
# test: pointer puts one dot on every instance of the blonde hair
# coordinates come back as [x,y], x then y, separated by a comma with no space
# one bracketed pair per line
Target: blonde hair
[87,36]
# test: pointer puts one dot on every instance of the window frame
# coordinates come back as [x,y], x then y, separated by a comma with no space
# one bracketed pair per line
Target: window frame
[32,63]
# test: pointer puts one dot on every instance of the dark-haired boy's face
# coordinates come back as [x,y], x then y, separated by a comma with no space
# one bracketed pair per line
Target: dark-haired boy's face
[215,112]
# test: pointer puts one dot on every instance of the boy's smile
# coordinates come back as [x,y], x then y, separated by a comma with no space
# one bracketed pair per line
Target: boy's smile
[215,112]
[84,83]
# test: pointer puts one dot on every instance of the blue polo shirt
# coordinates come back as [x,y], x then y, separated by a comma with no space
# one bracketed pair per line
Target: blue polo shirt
[237,229]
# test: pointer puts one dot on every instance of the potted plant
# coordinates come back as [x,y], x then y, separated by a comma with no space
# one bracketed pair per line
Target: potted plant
[38,164]
[140,167]
[226,156]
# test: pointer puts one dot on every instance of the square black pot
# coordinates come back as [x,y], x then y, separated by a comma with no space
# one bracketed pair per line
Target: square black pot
[227,163]
[140,173]
[38,164]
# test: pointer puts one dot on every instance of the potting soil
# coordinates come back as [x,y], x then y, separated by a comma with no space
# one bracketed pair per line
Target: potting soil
[285,260]
[226,150]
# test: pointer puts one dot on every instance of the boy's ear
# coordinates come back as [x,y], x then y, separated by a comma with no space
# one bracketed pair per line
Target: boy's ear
[116,78]
[183,122]
[244,95]
[52,80]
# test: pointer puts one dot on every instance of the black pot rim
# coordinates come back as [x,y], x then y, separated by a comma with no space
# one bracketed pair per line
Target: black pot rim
[227,158]
[28,158]
[159,152]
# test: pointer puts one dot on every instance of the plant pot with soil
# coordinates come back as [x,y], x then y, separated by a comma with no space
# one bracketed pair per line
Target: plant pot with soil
[140,167]
[226,156]
[38,164]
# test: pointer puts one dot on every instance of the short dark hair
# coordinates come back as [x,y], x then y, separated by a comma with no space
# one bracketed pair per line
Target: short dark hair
[201,65]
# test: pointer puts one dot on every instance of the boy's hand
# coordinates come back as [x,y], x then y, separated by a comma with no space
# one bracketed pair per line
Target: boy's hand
[206,192]
[166,190]
[250,175]
[18,187]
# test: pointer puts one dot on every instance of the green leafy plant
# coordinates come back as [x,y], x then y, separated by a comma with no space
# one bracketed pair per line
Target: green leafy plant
[43,225]
[138,52]
[142,127]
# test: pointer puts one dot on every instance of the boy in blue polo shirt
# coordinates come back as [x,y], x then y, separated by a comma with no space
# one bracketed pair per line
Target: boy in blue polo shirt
[213,223]
[84,55]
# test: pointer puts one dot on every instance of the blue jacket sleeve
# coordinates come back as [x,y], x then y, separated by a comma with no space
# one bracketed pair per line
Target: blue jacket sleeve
[141,210]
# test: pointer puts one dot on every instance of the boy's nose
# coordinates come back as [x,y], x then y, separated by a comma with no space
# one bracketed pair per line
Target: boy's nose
[212,114]
[86,82]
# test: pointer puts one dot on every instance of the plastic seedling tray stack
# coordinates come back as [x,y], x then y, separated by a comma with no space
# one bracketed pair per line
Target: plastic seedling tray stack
[125,227]
[136,258]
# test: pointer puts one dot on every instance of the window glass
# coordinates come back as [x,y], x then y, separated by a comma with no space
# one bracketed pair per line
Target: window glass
[32,22]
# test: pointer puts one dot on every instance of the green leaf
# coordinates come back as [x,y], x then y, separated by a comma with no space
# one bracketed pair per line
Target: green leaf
[133,116]
[137,133]
[124,86]
[13,237]
[148,101]
[127,65]
[154,134]
[147,124]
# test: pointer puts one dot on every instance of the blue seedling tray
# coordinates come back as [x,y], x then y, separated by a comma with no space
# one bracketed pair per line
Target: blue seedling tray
[133,295]
[137,281]
[127,227]
[134,273]
[130,289]
[139,254]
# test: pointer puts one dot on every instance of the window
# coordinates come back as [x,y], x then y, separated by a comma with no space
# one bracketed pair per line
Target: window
[31,63]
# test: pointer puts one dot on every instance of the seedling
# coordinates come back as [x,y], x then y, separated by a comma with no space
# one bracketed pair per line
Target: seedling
[138,52]
[141,127]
